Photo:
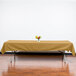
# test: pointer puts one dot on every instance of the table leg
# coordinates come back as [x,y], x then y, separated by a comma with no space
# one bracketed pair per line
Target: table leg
[11,58]
[64,57]
[14,56]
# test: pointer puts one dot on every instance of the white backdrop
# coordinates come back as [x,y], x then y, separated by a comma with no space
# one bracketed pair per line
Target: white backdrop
[23,19]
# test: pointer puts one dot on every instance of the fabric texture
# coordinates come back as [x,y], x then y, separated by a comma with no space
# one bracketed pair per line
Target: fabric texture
[32,45]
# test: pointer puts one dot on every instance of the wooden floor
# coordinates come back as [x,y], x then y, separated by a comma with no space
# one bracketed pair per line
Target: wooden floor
[37,65]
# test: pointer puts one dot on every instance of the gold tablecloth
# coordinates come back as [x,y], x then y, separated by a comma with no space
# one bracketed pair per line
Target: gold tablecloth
[32,45]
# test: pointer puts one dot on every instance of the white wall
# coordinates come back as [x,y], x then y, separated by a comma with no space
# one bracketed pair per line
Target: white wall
[23,19]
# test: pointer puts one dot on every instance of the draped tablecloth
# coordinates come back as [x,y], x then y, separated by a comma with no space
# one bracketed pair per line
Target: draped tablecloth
[32,45]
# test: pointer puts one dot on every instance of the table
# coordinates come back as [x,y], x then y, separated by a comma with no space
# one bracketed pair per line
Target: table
[33,45]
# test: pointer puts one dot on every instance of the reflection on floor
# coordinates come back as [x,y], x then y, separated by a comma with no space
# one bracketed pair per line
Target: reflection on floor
[35,65]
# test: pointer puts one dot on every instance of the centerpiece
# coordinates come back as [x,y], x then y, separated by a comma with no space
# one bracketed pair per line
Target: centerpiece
[38,38]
